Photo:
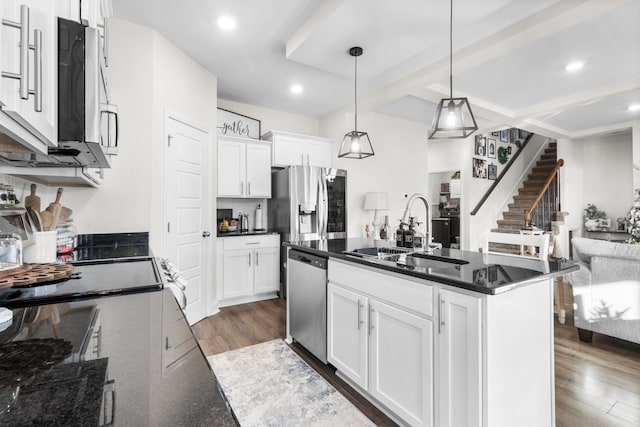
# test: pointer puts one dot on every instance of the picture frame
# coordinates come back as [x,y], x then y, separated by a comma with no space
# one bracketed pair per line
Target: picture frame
[492,173]
[495,133]
[230,123]
[503,135]
[509,150]
[512,135]
[479,168]
[491,148]
[522,134]
[481,146]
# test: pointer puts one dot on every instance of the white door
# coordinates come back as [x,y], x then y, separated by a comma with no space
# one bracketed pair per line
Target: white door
[188,211]
[347,333]
[460,360]
[288,150]
[319,153]
[231,168]
[401,362]
[237,274]
[267,270]
[38,117]
[258,171]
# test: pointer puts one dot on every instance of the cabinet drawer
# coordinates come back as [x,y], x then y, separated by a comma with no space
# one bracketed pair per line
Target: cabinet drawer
[412,294]
[250,242]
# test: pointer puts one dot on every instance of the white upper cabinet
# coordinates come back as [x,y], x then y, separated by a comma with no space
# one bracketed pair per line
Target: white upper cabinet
[295,149]
[244,168]
[28,61]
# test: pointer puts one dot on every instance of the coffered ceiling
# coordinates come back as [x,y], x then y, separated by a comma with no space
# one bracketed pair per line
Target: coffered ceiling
[509,56]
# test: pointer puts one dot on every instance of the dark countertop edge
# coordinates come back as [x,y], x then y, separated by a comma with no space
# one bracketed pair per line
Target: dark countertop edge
[434,278]
[249,233]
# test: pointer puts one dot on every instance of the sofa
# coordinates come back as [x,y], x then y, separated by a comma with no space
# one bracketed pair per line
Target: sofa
[606,289]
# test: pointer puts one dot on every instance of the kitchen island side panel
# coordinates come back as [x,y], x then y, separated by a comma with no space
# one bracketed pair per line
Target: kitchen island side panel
[518,357]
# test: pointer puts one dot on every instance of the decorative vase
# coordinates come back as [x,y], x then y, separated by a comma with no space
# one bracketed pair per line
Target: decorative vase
[633,220]
[591,224]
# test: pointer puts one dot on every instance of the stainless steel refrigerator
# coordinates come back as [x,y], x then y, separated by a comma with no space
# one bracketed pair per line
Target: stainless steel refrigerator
[307,203]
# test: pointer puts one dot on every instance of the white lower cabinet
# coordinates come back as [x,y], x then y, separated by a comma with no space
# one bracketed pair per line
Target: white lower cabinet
[347,333]
[431,354]
[401,362]
[460,360]
[247,268]
[379,344]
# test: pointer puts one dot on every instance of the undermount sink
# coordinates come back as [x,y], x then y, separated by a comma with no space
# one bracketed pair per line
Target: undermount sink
[388,253]
[424,260]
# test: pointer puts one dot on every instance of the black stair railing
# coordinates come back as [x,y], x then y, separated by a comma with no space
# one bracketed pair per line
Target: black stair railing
[542,210]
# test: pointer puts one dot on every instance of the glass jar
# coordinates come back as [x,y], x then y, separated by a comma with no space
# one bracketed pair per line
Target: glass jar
[10,251]
[67,238]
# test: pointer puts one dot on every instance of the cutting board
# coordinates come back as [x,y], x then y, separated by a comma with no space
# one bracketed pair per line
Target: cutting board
[32,201]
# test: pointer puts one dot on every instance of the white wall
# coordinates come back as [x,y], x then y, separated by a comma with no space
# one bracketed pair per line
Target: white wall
[273,119]
[635,130]
[148,76]
[399,166]
[123,202]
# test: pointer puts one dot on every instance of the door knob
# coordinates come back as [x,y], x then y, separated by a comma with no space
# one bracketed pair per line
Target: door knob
[206,234]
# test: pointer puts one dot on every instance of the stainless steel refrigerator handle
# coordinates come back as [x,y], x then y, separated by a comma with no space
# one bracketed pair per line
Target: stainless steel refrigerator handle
[325,207]
[23,75]
[37,53]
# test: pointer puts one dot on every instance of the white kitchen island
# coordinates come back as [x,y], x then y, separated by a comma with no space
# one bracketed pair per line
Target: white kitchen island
[430,352]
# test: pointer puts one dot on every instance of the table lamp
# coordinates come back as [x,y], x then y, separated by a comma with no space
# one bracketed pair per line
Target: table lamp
[376,201]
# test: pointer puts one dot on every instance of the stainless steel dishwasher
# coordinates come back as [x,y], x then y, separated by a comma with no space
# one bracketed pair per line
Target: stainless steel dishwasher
[308,301]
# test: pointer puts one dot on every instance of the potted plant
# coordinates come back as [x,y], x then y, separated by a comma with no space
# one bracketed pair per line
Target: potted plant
[591,216]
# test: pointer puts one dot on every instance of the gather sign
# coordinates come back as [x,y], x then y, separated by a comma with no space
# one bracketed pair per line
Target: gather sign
[234,124]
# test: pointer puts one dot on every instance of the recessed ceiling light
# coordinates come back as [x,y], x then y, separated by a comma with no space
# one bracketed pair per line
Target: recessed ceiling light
[227,22]
[574,66]
[634,107]
[296,89]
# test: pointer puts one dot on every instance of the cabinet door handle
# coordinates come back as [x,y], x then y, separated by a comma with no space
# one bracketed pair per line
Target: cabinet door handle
[308,163]
[302,159]
[248,188]
[370,322]
[37,53]
[257,258]
[241,188]
[249,259]
[440,319]
[359,307]
[23,74]
[105,43]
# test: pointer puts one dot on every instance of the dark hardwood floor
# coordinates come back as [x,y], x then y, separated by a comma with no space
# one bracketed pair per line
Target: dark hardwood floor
[597,384]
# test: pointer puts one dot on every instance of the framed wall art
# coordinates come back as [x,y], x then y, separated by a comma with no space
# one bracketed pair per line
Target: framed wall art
[479,168]
[481,145]
[512,135]
[503,135]
[492,172]
[234,124]
[491,148]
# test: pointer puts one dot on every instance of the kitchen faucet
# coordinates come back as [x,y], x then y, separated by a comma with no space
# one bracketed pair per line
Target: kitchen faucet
[407,212]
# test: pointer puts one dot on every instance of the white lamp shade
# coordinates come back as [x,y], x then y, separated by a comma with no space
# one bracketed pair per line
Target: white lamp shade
[373,201]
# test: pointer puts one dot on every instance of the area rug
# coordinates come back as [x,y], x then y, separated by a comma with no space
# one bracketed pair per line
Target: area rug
[268,384]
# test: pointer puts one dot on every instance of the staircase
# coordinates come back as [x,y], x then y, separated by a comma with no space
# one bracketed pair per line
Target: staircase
[513,219]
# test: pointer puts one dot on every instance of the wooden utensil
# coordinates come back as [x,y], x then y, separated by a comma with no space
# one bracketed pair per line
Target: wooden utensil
[46,219]
[35,219]
[55,208]
[32,201]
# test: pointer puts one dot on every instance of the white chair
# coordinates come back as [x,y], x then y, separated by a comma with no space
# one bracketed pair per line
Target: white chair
[540,241]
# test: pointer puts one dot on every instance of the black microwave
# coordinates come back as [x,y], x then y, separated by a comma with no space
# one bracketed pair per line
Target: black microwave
[87,121]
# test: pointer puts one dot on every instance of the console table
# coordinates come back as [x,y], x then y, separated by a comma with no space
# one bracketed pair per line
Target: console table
[610,235]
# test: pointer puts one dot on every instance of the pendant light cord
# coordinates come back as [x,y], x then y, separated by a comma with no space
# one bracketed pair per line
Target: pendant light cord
[355,92]
[451,49]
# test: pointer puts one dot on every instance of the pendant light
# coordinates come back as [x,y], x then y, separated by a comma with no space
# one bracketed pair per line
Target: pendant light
[356,144]
[453,118]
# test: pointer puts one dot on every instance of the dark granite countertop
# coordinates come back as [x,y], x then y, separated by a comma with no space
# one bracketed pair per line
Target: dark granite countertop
[69,359]
[246,233]
[484,273]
